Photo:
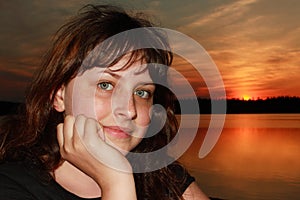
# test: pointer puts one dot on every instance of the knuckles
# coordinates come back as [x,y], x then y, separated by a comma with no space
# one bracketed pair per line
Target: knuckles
[75,133]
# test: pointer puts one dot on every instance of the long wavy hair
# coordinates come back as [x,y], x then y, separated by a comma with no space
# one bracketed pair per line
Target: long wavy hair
[30,136]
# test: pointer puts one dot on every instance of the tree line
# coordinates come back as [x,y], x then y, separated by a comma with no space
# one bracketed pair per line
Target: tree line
[280,104]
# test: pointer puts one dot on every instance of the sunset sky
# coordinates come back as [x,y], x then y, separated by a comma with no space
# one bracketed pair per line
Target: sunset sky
[254,43]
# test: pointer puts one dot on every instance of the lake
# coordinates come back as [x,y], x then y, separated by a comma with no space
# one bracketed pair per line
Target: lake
[256,157]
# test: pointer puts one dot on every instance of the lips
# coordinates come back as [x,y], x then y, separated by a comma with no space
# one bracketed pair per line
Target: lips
[117,132]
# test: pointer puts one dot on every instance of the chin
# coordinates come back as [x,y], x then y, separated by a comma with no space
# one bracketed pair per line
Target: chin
[124,149]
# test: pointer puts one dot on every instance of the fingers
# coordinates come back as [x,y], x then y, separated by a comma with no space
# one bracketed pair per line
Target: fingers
[65,135]
[65,132]
[91,136]
[75,133]
[68,128]
[81,142]
[79,125]
[60,136]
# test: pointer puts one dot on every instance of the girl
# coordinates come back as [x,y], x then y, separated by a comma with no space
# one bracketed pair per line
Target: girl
[89,106]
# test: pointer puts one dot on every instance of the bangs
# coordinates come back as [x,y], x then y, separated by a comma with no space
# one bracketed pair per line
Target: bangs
[144,45]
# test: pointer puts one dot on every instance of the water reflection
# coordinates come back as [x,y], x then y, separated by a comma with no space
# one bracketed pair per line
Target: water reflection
[256,157]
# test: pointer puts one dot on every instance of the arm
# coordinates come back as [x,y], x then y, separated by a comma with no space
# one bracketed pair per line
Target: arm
[81,145]
[193,192]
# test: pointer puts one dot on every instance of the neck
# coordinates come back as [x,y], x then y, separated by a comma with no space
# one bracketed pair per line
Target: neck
[76,182]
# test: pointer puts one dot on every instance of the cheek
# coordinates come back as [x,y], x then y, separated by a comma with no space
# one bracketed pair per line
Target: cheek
[144,114]
[102,109]
[81,98]
[83,105]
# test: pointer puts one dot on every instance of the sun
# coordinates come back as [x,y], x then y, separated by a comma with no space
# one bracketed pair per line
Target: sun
[246,97]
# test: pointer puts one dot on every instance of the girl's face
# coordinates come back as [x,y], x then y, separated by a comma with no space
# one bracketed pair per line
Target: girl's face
[120,100]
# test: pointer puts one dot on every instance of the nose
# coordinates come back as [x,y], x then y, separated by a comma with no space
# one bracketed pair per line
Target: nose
[125,107]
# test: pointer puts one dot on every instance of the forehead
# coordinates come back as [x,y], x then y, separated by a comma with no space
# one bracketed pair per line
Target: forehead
[137,71]
[126,64]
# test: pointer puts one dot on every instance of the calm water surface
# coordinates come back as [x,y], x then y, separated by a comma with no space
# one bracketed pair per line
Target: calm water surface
[256,157]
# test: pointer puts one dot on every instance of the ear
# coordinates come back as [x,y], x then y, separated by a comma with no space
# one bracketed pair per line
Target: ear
[58,103]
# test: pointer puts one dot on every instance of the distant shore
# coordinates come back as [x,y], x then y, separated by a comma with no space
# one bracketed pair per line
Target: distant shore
[281,104]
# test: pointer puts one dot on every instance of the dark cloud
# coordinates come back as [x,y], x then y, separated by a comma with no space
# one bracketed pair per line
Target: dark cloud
[255,43]
[13,86]
[26,28]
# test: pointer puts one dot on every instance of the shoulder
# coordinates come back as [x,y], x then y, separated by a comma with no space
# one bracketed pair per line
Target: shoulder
[182,176]
[187,184]
[17,172]
[20,182]
[11,185]
[194,192]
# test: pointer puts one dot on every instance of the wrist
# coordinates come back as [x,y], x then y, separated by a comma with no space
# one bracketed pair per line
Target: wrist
[119,186]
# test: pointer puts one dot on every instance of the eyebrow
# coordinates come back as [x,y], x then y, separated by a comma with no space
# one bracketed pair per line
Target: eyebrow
[147,83]
[112,74]
[117,76]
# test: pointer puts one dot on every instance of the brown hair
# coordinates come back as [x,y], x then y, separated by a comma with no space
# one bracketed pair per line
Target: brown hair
[34,139]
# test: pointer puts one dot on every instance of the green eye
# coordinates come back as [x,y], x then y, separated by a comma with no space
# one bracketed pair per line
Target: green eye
[105,86]
[142,93]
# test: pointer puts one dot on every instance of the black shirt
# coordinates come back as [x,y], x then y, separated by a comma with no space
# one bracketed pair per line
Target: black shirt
[18,182]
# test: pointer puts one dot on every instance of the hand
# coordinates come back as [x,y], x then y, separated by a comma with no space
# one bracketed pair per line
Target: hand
[81,143]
